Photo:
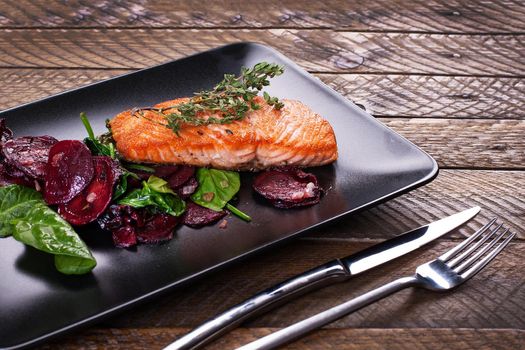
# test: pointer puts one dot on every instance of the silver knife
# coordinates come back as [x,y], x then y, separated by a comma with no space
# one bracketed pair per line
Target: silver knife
[337,270]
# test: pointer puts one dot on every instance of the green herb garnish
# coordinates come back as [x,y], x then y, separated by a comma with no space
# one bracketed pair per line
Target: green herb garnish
[216,189]
[230,99]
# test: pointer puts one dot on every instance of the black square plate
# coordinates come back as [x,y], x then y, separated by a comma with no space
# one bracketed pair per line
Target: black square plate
[374,164]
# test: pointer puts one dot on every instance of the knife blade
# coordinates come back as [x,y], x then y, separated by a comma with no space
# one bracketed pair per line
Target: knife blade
[337,270]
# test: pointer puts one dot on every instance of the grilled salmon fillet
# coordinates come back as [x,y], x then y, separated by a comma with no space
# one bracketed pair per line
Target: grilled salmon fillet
[293,135]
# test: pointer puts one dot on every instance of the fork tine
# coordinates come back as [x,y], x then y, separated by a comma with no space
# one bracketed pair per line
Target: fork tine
[483,262]
[454,251]
[473,247]
[480,253]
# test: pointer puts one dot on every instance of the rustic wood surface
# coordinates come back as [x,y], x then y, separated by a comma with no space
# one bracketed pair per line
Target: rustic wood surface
[446,74]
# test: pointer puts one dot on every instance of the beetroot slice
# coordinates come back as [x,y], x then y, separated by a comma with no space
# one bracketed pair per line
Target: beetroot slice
[69,171]
[186,190]
[5,132]
[29,154]
[117,216]
[197,216]
[13,171]
[7,179]
[130,225]
[158,228]
[93,200]
[288,187]
[124,237]
[165,171]
[181,176]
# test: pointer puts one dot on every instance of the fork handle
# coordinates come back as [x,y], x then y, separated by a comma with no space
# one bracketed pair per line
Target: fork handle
[321,319]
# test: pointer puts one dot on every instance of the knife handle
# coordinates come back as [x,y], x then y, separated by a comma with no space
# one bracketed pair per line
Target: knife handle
[331,272]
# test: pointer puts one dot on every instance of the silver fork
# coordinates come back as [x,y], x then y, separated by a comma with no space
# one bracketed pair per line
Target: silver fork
[444,273]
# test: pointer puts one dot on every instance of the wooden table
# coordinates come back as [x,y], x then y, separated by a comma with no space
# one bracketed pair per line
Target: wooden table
[446,74]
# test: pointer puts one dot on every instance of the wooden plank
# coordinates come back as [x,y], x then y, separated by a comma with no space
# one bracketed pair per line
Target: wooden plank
[498,193]
[380,95]
[493,299]
[25,85]
[466,143]
[380,15]
[432,96]
[347,339]
[315,50]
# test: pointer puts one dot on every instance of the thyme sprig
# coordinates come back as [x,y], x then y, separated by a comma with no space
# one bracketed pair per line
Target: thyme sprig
[228,101]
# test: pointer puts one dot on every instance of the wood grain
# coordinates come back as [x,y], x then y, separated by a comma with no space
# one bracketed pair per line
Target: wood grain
[493,299]
[433,96]
[467,143]
[347,339]
[380,15]
[498,193]
[381,95]
[319,50]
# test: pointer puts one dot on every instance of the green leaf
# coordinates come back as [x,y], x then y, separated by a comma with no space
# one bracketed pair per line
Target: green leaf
[96,147]
[39,226]
[216,187]
[159,185]
[122,186]
[15,201]
[87,125]
[140,167]
[99,149]
[157,194]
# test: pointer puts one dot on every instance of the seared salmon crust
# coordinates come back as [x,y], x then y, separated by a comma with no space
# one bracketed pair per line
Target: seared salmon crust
[264,138]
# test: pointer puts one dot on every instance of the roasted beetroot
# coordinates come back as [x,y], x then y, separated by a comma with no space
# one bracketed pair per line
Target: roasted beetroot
[29,154]
[6,177]
[165,171]
[121,221]
[13,171]
[124,237]
[197,216]
[158,228]
[93,200]
[130,225]
[5,132]
[69,171]
[288,187]
[178,178]
[117,216]
[186,190]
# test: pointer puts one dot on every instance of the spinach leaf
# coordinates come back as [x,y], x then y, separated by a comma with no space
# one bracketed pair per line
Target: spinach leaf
[122,185]
[42,228]
[139,167]
[156,193]
[216,189]
[159,185]
[96,147]
[15,201]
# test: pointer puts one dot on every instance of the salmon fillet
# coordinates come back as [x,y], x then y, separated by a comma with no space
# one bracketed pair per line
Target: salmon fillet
[293,135]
